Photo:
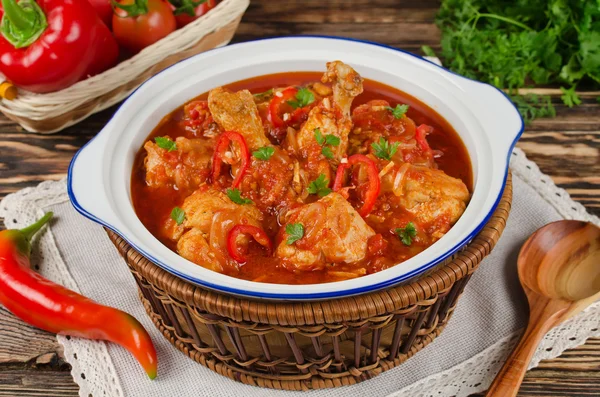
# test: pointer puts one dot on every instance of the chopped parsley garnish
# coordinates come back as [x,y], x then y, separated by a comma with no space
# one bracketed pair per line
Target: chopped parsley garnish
[319,136]
[326,151]
[399,111]
[263,96]
[178,215]
[304,97]
[319,186]
[165,143]
[329,139]
[236,196]
[383,149]
[407,233]
[264,153]
[332,140]
[295,232]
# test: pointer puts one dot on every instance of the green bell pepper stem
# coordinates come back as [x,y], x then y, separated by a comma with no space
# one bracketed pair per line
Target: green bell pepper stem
[23,23]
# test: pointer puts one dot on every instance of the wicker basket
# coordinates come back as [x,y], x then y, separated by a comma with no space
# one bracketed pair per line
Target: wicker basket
[309,345]
[51,112]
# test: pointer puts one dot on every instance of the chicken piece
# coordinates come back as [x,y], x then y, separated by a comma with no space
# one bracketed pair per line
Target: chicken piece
[210,215]
[237,111]
[187,167]
[332,118]
[433,196]
[269,183]
[333,232]
[347,84]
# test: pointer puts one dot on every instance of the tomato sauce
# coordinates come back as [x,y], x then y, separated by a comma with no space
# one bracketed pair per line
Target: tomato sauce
[154,205]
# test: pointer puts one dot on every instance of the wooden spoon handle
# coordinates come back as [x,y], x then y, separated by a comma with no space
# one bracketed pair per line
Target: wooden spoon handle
[511,375]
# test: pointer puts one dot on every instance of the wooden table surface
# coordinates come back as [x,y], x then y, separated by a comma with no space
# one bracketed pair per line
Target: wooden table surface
[565,147]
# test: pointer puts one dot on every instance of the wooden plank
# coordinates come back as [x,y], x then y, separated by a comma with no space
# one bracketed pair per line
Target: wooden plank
[22,344]
[31,383]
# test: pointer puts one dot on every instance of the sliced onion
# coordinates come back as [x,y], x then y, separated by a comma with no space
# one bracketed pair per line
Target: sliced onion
[398,185]
[292,139]
[411,144]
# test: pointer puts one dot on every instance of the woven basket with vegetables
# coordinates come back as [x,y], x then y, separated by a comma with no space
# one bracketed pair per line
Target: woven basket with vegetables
[63,61]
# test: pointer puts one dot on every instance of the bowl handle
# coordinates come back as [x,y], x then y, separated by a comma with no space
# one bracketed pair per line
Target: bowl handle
[86,186]
[496,112]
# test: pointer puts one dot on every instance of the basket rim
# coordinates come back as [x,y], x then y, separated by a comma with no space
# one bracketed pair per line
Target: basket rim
[333,310]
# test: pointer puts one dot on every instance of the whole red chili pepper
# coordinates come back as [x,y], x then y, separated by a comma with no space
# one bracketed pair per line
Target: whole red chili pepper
[52,44]
[257,233]
[370,196]
[223,143]
[53,308]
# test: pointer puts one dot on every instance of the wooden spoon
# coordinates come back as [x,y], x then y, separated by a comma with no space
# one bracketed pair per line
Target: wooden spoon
[559,269]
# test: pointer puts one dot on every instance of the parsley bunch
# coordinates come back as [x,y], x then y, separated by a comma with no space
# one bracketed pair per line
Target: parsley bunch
[524,43]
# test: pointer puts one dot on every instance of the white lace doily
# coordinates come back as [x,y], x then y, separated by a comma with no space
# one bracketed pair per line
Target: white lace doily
[94,370]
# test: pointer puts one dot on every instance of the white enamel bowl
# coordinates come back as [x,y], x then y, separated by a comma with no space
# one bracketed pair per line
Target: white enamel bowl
[487,122]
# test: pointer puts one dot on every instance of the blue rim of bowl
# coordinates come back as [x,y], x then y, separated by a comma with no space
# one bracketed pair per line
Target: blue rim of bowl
[309,296]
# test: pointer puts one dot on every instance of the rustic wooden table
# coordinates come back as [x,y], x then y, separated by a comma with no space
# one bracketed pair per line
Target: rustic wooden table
[565,147]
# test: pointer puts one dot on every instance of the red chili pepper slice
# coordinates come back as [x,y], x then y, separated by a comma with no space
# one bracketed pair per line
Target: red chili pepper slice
[421,137]
[277,102]
[373,177]
[257,233]
[223,143]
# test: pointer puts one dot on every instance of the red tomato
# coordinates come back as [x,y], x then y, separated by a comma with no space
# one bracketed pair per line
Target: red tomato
[183,9]
[140,23]
[104,10]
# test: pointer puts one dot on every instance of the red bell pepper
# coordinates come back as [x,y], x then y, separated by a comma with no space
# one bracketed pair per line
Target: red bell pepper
[52,44]
[223,143]
[53,308]
[370,196]
[257,233]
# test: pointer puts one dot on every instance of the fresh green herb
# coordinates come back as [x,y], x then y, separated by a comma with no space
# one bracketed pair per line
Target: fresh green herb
[319,136]
[236,196]
[383,149]
[332,140]
[304,97]
[326,140]
[319,186]
[295,232]
[178,215]
[428,51]
[399,111]
[570,97]
[523,43]
[532,106]
[264,153]
[326,151]
[407,233]
[263,96]
[165,143]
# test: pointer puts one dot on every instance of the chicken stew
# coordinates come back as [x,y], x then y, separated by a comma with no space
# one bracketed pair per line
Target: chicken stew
[301,178]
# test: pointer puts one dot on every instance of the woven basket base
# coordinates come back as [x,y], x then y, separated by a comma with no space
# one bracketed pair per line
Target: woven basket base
[315,344]
[222,368]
